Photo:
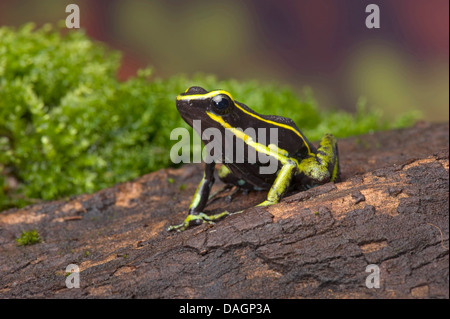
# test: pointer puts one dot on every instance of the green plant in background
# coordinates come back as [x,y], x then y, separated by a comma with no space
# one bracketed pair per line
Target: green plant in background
[68,126]
[28,238]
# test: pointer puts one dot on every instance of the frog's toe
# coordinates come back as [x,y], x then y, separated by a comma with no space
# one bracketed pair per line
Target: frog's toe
[266,203]
[179,227]
[185,224]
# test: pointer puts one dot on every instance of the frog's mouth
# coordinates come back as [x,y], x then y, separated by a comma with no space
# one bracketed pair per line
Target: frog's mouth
[185,111]
[189,115]
[187,119]
[190,112]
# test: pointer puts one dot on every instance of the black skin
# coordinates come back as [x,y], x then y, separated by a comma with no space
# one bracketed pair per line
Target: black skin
[300,164]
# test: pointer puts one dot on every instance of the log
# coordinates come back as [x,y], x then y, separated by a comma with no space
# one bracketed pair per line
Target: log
[389,216]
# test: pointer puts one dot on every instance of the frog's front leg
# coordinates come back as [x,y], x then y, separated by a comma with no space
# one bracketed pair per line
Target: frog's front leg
[201,195]
[199,201]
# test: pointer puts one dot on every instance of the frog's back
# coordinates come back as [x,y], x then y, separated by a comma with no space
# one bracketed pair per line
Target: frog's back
[290,138]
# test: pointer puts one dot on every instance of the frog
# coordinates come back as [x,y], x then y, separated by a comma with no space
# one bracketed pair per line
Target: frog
[299,164]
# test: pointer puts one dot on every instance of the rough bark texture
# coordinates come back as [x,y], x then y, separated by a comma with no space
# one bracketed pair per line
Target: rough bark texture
[391,210]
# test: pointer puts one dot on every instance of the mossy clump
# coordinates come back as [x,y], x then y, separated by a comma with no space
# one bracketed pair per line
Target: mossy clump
[30,237]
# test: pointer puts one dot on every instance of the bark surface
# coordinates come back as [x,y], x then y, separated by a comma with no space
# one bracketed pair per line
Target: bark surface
[390,210]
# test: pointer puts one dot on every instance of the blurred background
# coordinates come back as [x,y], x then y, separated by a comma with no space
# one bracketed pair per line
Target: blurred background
[323,44]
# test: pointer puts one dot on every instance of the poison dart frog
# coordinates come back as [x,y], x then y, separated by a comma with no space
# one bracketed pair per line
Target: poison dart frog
[299,165]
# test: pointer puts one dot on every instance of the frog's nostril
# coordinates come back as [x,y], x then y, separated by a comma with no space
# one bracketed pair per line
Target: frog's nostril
[195,90]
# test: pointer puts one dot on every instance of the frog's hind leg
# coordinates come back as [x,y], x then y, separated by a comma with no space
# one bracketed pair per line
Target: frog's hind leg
[323,167]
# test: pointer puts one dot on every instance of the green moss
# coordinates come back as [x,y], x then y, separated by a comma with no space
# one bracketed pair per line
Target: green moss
[68,126]
[28,238]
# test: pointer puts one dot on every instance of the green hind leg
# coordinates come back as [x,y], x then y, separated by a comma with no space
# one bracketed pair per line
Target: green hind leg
[323,167]
[281,184]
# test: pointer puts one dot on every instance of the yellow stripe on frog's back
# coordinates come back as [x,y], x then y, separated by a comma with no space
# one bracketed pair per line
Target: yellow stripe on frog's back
[278,153]
[277,124]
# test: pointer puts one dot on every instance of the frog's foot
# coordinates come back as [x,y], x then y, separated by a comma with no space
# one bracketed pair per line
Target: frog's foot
[198,219]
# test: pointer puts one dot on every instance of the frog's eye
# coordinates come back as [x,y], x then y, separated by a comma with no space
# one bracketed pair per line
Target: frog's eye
[221,102]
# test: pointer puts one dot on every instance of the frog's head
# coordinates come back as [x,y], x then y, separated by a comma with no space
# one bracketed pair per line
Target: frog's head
[198,104]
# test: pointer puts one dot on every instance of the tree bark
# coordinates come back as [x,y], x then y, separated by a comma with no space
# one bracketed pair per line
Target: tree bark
[390,212]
